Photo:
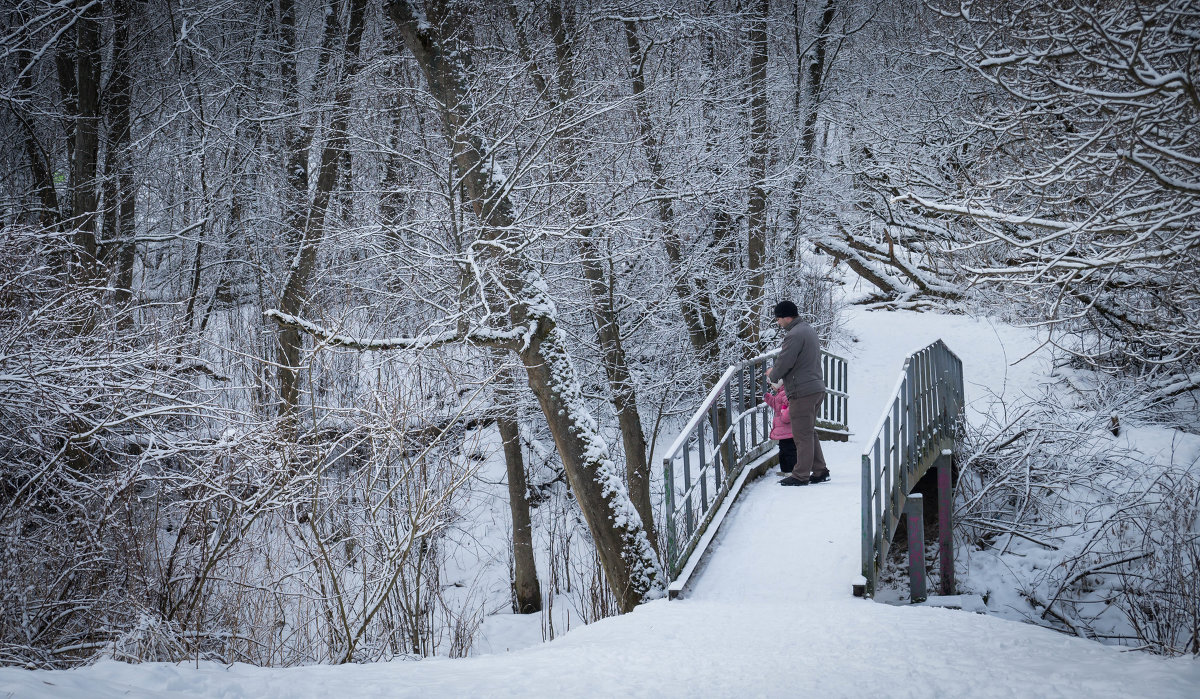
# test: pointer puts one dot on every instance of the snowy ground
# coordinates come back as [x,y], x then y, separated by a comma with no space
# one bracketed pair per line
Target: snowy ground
[770,614]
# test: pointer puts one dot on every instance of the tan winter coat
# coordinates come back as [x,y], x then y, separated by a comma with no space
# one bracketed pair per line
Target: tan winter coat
[799,362]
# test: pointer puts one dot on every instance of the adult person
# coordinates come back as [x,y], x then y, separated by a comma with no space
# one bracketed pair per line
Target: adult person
[798,366]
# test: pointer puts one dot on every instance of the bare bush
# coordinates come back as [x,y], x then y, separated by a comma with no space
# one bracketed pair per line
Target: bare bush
[92,410]
[1161,598]
[1101,539]
[141,522]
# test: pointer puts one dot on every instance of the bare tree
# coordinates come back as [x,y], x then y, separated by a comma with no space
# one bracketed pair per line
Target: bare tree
[86,150]
[296,291]
[629,562]
[697,309]
[756,243]
[527,594]
[600,284]
[119,194]
[1085,206]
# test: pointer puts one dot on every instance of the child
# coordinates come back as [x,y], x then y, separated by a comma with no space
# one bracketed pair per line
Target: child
[781,428]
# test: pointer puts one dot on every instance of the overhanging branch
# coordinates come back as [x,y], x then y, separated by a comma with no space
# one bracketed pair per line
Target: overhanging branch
[505,339]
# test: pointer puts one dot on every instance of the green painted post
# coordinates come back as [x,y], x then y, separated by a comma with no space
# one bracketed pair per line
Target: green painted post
[689,520]
[672,541]
[703,464]
[741,403]
[868,534]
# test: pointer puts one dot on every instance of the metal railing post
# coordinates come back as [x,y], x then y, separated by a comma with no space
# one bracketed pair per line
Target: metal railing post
[730,457]
[702,466]
[914,511]
[868,534]
[669,516]
[742,405]
[687,486]
[945,526]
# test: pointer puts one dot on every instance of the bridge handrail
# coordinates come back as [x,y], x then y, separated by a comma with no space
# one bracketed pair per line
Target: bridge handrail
[728,431]
[710,399]
[736,422]
[922,419]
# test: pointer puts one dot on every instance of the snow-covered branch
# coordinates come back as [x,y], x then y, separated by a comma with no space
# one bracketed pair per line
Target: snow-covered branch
[506,339]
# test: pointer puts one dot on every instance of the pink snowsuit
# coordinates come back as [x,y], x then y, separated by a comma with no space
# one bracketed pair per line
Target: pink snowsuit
[781,426]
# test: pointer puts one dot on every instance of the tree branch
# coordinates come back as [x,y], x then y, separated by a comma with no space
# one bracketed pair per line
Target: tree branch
[506,339]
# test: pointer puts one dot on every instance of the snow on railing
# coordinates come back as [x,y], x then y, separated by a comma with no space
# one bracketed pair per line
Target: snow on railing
[727,436]
[919,429]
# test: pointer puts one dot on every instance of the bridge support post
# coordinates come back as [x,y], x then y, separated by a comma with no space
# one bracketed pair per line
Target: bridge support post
[868,531]
[945,525]
[914,512]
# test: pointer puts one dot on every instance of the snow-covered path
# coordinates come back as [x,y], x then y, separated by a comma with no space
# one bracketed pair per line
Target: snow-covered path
[769,615]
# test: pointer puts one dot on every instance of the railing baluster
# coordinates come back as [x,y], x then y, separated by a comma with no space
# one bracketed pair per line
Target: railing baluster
[823,411]
[687,489]
[918,405]
[730,454]
[877,506]
[877,533]
[889,453]
[669,498]
[909,432]
[926,397]
[743,446]
[931,396]
[762,388]
[939,380]
[844,383]
[899,425]
[761,385]
[868,534]
[700,472]
[754,396]
[715,457]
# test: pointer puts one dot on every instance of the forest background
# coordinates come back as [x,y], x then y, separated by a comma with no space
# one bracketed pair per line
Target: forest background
[277,277]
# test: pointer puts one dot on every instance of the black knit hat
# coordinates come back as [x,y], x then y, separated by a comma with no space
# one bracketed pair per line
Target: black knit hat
[786,309]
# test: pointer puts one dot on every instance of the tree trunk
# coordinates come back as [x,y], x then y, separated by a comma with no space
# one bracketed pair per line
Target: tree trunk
[816,77]
[756,243]
[616,369]
[527,594]
[39,165]
[295,291]
[87,146]
[296,143]
[696,308]
[808,132]
[629,563]
[119,211]
[64,64]
[600,285]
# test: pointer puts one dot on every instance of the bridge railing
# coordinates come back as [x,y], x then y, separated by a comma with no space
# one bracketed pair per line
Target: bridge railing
[919,427]
[728,432]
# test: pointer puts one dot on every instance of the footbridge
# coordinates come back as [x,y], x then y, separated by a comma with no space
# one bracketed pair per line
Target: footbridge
[725,445]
